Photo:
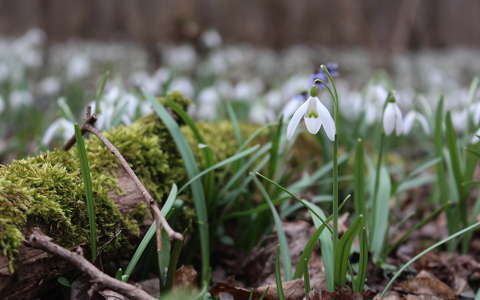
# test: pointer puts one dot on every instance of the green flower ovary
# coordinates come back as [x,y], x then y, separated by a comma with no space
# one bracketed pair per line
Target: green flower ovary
[312,114]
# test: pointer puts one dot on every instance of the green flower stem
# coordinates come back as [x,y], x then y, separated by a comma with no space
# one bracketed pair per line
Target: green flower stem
[334,95]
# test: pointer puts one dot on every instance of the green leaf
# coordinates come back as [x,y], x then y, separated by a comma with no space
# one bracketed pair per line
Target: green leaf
[359,179]
[359,280]
[282,238]
[274,150]
[457,168]
[442,181]
[196,187]
[302,265]
[326,244]
[87,183]
[219,165]
[65,108]
[381,213]
[207,152]
[241,172]
[343,251]
[278,277]
[172,196]
[233,118]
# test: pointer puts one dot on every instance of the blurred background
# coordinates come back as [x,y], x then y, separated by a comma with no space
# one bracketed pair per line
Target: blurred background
[256,54]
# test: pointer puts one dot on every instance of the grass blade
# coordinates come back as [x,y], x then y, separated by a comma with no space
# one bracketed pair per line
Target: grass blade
[65,108]
[343,251]
[302,265]
[457,167]
[172,196]
[273,161]
[359,179]
[219,165]
[207,152]
[278,277]
[196,187]
[233,118]
[282,238]
[359,280]
[87,182]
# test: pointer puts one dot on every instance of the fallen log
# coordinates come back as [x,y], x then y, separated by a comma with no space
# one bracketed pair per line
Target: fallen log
[46,191]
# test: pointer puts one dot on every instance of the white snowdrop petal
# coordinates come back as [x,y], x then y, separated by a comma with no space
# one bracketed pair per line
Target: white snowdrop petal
[398,120]
[297,116]
[389,119]
[327,120]
[313,124]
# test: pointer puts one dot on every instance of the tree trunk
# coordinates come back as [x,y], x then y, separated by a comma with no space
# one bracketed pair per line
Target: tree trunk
[46,191]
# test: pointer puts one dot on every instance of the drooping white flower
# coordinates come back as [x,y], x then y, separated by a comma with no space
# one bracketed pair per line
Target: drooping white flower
[315,115]
[410,119]
[20,98]
[392,119]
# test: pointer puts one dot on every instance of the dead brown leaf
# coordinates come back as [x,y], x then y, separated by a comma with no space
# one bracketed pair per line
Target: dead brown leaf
[427,286]
[185,277]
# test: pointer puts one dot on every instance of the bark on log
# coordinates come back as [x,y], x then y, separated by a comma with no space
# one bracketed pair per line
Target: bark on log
[47,191]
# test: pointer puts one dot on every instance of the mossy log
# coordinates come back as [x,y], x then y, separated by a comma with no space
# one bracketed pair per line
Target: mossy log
[46,191]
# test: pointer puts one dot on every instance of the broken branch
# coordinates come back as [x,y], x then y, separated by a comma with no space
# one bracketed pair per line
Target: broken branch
[40,241]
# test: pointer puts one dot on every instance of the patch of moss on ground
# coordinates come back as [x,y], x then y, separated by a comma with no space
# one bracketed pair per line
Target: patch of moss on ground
[47,190]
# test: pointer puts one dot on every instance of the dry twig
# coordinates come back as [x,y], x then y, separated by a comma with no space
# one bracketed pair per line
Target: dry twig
[159,218]
[91,119]
[89,126]
[40,241]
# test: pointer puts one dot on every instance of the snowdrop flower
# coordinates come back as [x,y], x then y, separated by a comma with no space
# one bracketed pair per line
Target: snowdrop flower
[410,119]
[182,85]
[78,67]
[49,86]
[60,127]
[377,94]
[259,114]
[315,115]
[460,120]
[392,118]
[19,99]
[211,39]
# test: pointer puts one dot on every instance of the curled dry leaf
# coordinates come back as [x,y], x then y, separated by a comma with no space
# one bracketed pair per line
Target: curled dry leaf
[428,286]
[185,277]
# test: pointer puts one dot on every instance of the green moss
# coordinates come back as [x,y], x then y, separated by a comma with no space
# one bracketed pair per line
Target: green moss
[47,191]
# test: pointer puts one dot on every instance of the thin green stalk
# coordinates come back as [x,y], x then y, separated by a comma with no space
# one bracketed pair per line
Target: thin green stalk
[87,182]
[335,99]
